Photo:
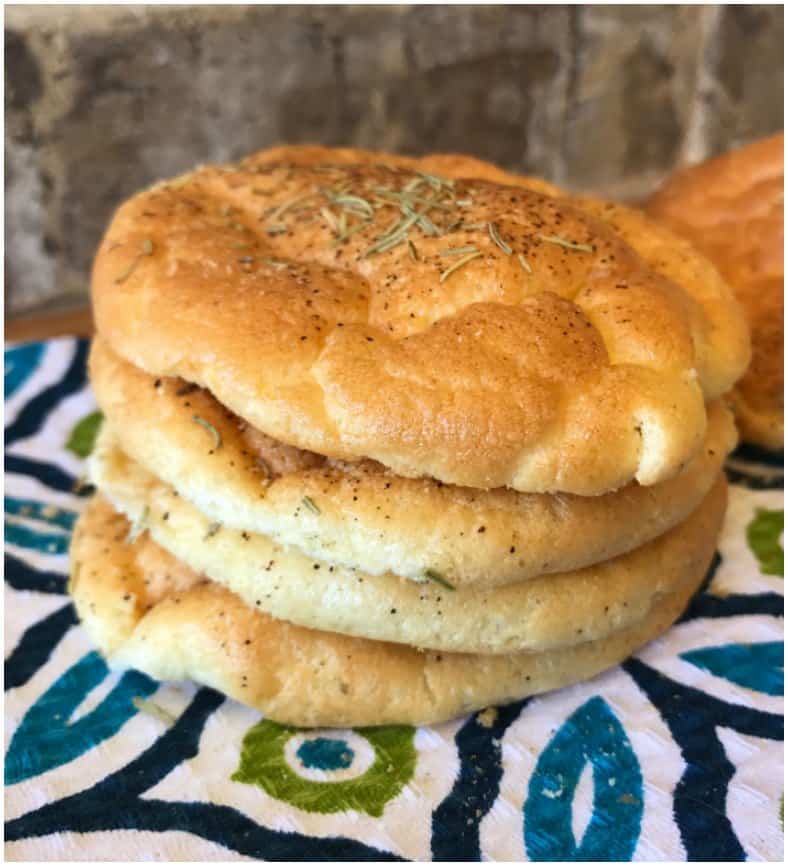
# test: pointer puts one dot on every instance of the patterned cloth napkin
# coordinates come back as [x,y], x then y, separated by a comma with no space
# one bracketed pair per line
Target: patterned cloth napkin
[675,755]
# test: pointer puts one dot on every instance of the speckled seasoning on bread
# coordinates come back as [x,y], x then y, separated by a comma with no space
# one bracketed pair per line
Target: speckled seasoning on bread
[732,209]
[145,610]
[411,420]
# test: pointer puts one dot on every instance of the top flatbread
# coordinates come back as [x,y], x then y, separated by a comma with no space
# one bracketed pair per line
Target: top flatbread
[478,333]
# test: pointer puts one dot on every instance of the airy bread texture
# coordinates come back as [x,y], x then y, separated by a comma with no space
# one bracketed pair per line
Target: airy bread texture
[731,208]
[369,518]
[482,334]
[145,610]
[535,615]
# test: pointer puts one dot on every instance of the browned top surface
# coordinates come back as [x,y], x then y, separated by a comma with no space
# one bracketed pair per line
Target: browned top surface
[542,353]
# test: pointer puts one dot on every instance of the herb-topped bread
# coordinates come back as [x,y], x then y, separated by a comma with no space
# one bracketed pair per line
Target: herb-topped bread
[478,333]
[390,439]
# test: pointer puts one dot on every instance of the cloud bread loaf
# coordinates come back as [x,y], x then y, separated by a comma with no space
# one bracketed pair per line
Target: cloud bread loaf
[143,609]
[539,614]
[731,208]
[477,333]
[363,515]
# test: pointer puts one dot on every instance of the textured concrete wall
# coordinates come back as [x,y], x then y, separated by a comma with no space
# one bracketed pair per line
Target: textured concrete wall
[103,100]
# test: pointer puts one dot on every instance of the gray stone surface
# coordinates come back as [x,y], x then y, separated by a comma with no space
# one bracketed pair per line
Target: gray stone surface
[101,100]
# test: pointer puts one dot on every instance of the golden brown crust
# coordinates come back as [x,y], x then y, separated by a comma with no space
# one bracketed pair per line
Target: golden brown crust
[731,208]
[570,367]
[295,675]
[370,518]
[539,614]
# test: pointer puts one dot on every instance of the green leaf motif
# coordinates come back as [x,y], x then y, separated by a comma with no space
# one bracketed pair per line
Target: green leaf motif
[263,763]
[83,434]
[763,536]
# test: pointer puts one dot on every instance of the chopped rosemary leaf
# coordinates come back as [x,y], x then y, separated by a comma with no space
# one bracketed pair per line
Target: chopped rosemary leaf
[278,264]
[414,253]
[349,232]
[354,203]
[459,251]
[524,263]
[278,229]
[386,241]
[563,242]
[153,710]
[474,226]
[457,265]
[288,205]
[217,436]
[435,181]
[464,202]
[492,228]
[138,527]
[246,260]
[408,198]
[428,226]
[437,577]
[213,528]
[309,504]
[330,219]
[147,250]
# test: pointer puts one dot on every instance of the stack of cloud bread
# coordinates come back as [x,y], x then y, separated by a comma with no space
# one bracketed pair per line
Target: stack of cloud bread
[388,440]
[732,209]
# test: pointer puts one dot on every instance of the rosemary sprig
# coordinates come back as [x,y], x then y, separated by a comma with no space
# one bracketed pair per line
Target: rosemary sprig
[283,208]
[355,203]
[457,265]
[206,425]
[435,181]
[413,252]
[492,228]
[460,251]
[309,504]
[386,241]
[563,242]
[428,226]
[147,250]
[410,198]
[437,577]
